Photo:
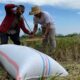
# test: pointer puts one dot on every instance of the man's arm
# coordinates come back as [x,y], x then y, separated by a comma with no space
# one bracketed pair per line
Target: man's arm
[22,26]
[35,29]
[47,29]
[9,7]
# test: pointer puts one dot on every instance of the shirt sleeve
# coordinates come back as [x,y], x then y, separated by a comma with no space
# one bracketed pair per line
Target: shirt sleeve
[9,8]
[22,26]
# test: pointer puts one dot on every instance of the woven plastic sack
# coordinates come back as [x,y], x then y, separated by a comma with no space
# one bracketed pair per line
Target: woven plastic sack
[25,63]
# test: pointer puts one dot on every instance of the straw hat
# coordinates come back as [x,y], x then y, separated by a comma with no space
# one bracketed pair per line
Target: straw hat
[35,10]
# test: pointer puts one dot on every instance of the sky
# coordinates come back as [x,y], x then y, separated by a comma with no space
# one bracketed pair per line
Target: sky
[65,13]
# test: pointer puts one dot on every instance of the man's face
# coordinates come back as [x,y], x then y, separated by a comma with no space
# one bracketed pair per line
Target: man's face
[38,15]
[20,10]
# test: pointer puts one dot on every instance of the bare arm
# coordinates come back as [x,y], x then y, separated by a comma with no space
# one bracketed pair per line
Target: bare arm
[47,29]
[35,29]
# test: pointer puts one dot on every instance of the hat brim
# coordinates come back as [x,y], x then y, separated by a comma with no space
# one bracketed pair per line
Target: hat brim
[34,13]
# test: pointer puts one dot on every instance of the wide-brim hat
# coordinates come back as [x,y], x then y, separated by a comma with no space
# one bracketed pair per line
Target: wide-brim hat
[35,10]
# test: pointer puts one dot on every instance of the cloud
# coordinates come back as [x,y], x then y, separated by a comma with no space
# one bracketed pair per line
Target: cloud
[75,4]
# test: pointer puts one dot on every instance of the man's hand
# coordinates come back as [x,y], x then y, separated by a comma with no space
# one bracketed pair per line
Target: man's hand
[31,35]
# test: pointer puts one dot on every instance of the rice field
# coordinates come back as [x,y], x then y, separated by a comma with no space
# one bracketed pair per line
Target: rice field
[67,53]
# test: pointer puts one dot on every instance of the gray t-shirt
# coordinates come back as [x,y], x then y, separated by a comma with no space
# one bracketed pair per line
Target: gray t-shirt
[45,18]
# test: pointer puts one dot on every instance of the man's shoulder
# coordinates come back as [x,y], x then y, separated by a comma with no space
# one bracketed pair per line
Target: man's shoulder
[46,13]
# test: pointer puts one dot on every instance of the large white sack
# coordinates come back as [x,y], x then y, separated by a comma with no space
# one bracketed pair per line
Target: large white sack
[27,63]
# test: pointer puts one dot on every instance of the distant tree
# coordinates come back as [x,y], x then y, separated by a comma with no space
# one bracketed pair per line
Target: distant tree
[59,35]
[72,35]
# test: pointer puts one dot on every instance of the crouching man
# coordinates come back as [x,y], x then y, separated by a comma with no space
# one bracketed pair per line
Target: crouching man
[47,25]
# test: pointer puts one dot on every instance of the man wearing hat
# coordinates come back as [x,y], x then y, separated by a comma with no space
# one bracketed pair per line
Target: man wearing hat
[47,25]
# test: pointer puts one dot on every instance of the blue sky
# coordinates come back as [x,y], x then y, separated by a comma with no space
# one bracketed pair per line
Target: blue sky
[66,17]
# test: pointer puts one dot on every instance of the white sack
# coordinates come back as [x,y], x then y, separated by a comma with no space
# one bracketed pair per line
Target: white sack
[23,63]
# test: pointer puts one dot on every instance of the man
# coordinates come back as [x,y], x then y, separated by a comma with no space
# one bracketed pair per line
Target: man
[47,25]
[12,23]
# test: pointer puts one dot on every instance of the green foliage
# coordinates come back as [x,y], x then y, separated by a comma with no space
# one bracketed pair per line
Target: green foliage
[72,35]
[68,48]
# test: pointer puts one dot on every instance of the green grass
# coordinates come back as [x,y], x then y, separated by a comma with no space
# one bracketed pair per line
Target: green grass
[73,70]
[68,48]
